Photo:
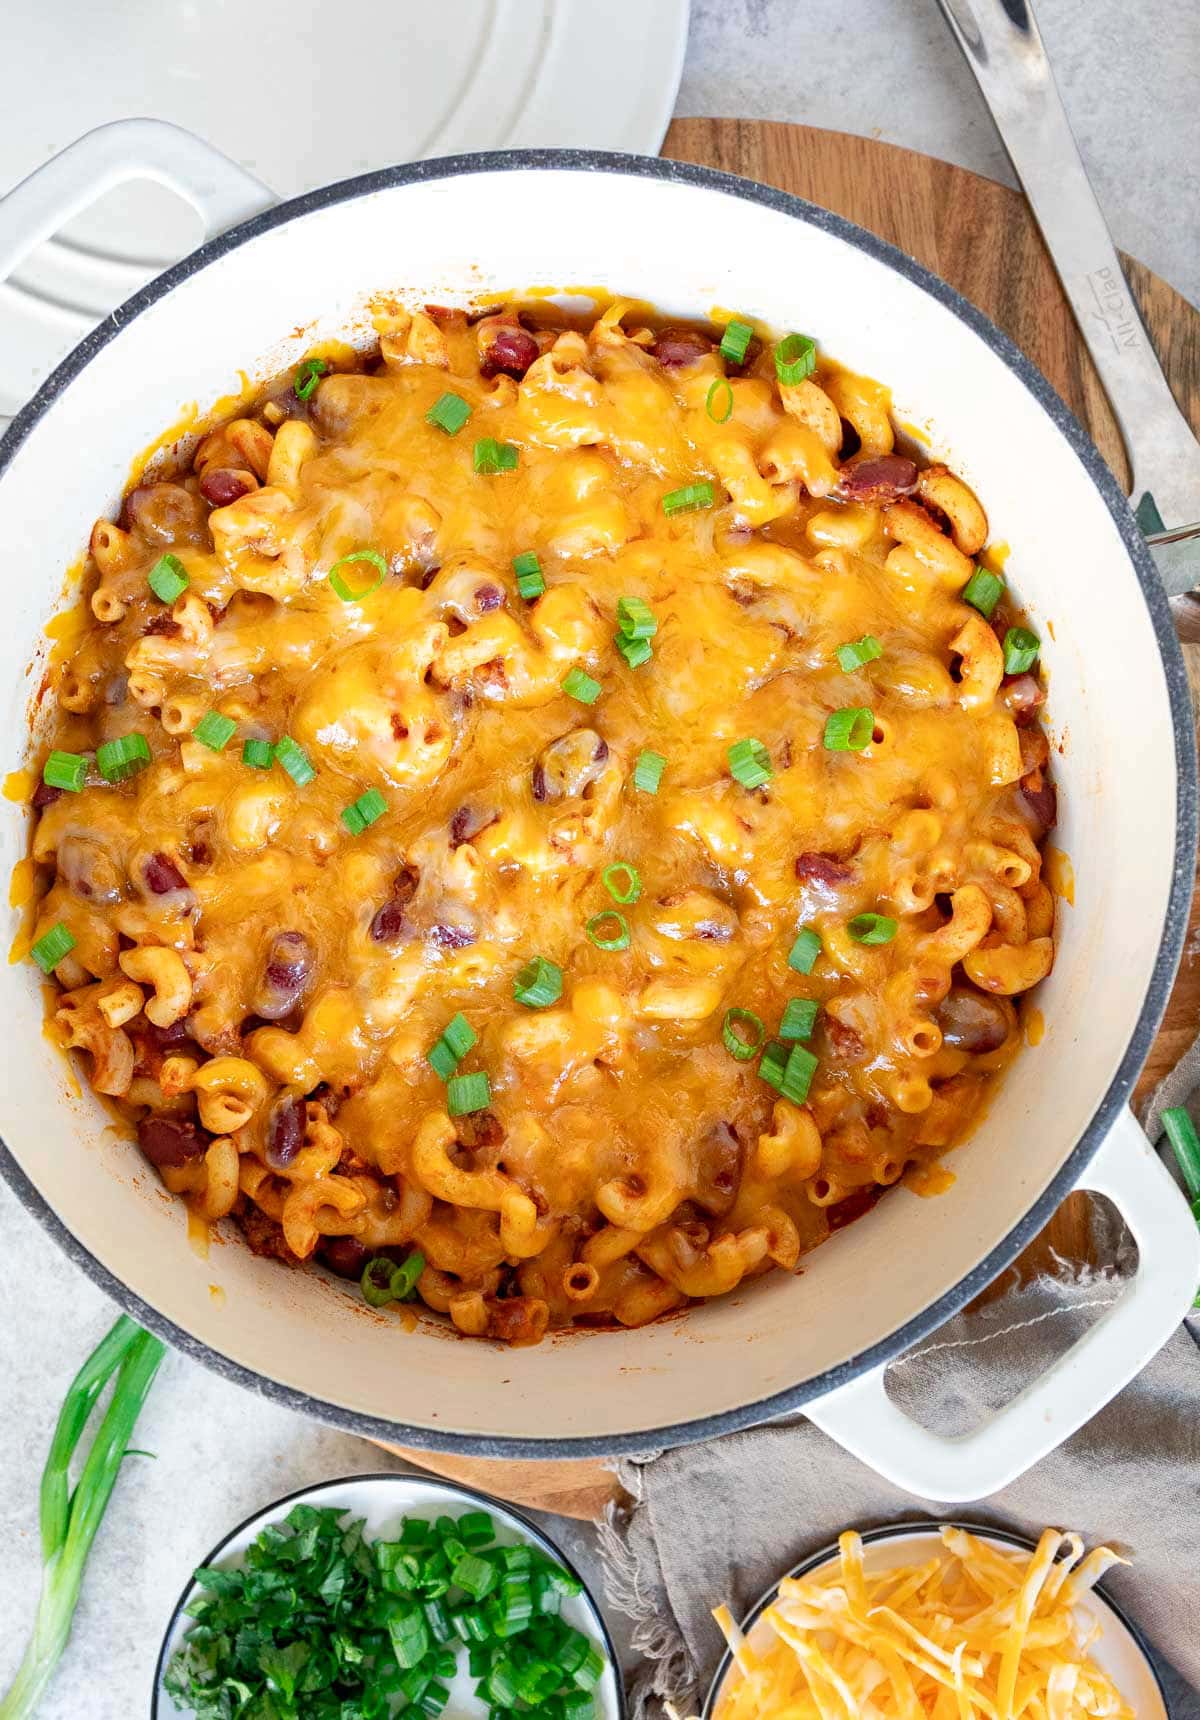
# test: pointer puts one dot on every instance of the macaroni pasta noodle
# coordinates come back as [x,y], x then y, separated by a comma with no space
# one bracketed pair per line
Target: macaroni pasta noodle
[551,799]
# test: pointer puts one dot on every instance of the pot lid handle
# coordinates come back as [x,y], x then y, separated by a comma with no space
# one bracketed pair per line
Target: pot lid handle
[221,192]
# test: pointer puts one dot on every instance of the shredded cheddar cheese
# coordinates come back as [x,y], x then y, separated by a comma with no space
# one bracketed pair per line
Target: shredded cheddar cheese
[976,1631]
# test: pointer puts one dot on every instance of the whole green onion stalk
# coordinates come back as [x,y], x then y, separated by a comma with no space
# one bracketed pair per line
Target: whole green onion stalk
[69,1519]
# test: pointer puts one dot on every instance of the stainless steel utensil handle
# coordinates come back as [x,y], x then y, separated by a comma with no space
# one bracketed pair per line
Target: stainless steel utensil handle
[1003,47]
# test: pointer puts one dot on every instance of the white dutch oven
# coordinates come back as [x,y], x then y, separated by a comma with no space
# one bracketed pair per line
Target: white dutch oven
[254,299]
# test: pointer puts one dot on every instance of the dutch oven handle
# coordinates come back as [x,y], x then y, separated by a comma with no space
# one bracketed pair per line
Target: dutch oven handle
[221,192]
[863,1418]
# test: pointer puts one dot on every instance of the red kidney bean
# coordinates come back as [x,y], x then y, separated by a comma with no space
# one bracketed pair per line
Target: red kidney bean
[451,937]
[488,597]
[510,353]
[569,765]
[88,872]
[165,513]
[878,479]
[970,1021]
[1023,694]
[390,921]
[1041,797]
[162,875]
[287,973]
[222,485]
[823,868]
[468,822]
[165,1038]
[45,794]
[344,1255]
[285,1131]
[171,1140]
[676,347]
[718,1170]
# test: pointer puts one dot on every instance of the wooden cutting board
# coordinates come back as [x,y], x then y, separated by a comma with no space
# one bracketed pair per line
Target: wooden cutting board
[980,237]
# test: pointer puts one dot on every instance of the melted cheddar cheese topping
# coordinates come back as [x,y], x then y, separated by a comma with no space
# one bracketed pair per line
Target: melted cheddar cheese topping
[259,985]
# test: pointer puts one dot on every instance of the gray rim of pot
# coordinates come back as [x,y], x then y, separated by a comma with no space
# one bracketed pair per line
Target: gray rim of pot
[891,1532]
[1174,925]
[469,1496]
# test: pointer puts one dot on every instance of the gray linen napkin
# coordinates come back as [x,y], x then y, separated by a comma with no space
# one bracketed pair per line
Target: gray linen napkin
[722,1520]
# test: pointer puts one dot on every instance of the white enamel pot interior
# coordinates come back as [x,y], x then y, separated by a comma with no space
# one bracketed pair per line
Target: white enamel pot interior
[688,240]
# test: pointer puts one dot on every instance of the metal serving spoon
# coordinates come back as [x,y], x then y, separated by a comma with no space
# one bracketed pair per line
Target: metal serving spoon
[1004,49]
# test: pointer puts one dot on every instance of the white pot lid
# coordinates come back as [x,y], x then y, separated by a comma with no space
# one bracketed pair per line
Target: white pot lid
[301,97]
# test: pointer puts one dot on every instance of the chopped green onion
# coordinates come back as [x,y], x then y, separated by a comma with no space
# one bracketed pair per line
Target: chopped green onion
[795,358]
[376,1281]
[295,760]
[865,650]
[750,763]
[688,500]
[635,651]
[848,730]
[306,378]
[804,952]
[403,1283]
[648,771]
[410,1636]
[797,1075]
[577,1705]
[476,1576]
[872,929]
[366,810]
[493,456]
[166,578]
[476,1528]
[1021,648]
[530,581]
[51,947]
[467,1093]
[259,755]
[623,882]
[579,685]
[539,983]
[608,916]
[215,731]
[743,1046]
[772,1063]
[799,1018]
[635,618]
[735,342]
[983,591]
[718,402]
[588,1673]
[120,759]
[449,412]
[457,1038]
[344,589]
[65,770]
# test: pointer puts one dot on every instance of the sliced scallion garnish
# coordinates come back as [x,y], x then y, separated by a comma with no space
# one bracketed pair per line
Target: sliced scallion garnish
[735,342]
[799,1018]
[166,578]
[855,653]
[214,730]
[848,730]
[623,882]
[449,412]
[539,983]
[353,594]
[578,684]
[491,456]
[795,358]
[689,499]
[743,1033]
[119,759]
[983,591]
[1021,649]
[294,760]
[51,947]
[872,929]
[65,770]
[467,1093]
[608,917]
[749,762]
[306,378]
[648,771]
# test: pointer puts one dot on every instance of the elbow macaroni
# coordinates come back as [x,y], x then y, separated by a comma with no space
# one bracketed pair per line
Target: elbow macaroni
[258,974]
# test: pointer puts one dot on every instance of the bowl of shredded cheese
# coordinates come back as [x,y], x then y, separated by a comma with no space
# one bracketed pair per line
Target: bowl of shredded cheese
[937,1620]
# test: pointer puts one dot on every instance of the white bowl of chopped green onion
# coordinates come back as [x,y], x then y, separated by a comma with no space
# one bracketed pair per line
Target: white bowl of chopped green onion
[384,1594]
